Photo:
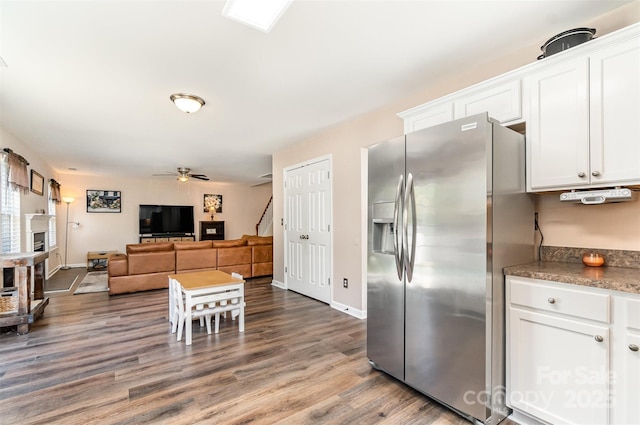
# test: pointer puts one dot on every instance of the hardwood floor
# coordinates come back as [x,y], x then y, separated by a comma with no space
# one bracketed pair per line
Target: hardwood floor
[96,359]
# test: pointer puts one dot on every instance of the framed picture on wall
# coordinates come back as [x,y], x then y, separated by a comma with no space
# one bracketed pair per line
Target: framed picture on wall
[212,201]
[37,183]
[104,201]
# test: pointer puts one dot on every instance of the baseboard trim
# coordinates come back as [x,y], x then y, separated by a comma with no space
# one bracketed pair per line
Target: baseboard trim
[278,284]
[358,314]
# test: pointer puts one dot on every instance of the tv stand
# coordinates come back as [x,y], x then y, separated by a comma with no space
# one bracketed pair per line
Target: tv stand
[212,230]
[173,237]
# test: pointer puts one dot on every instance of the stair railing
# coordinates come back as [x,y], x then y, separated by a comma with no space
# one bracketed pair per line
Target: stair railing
[266,220]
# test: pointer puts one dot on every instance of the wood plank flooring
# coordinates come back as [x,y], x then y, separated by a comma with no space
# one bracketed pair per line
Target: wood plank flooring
[96,359]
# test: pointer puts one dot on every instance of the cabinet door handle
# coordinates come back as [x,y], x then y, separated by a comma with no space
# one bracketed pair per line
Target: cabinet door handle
[581,174]
[551,300]
[598,338]
[633,347]
[595,173]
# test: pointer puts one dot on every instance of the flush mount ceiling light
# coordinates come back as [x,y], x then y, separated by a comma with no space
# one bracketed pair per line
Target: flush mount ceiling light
[187,102]
[259,14]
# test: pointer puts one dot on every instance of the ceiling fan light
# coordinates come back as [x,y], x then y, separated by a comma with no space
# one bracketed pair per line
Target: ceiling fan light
[188,103]
[183,178]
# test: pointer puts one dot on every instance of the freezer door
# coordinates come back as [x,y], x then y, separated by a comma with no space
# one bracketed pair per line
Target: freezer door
[446,297]
[385,288]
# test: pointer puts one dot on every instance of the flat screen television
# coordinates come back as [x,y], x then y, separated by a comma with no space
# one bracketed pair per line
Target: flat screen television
[166,219]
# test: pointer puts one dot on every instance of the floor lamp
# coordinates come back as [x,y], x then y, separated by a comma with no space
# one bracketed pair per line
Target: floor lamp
[67,200]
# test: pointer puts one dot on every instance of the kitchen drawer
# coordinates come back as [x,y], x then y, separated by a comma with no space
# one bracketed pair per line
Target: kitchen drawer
[542,296]
[633,314]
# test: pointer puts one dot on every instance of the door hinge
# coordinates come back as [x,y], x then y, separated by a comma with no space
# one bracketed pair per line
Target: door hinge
[329,280]
[328,227]
[285,269]
[328,174]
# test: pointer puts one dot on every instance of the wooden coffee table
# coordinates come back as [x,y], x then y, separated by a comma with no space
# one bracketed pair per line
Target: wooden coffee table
[98,260]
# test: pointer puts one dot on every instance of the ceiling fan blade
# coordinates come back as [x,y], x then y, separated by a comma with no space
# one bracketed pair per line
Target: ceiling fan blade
[164,174]
[199,177]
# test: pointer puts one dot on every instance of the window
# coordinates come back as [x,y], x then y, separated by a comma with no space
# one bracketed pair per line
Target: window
[9,211]
[51,209]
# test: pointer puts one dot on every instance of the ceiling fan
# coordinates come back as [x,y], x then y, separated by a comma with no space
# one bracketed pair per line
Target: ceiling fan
[184,175]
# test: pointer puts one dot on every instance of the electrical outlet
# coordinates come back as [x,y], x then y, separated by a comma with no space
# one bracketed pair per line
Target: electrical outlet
[345,282]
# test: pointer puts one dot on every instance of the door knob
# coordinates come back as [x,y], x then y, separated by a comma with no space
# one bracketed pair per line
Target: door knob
[581,174]
[598,338]
[595,173]
[633,347]
[551,300]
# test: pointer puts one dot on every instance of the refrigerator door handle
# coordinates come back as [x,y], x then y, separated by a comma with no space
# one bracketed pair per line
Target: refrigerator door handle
[409,255]
[398,252]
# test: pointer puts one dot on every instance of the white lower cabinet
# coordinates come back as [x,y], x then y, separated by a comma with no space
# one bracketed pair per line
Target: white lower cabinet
[570,354]
[626,353]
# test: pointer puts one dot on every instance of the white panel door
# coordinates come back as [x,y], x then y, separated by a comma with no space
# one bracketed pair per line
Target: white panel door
[308,230]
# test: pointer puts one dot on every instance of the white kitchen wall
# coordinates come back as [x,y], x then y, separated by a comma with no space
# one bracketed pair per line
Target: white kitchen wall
[606,226]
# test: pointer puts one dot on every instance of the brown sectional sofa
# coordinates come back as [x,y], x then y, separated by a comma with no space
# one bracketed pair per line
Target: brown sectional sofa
[146,266]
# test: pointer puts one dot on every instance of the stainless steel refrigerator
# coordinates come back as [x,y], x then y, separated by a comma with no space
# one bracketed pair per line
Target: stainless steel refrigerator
[447,211]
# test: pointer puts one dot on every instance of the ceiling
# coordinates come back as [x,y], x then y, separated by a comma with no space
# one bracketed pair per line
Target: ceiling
[87,84]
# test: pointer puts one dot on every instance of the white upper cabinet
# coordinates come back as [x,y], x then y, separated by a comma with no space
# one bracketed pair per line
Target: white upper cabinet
[557,116]
[427,115]
[615,114]
[501,99]
[583,129]
[581,108]
[503,102]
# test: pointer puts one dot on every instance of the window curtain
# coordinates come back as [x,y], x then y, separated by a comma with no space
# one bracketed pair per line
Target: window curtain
[18,178]
[9,210]
[54,193]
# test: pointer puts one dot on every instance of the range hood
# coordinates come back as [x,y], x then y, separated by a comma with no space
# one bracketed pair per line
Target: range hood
[596,197]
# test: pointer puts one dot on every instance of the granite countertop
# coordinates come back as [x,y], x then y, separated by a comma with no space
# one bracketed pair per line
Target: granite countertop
[623,279]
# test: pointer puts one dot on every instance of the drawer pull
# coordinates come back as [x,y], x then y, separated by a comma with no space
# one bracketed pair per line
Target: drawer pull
[598,338]
[633,347]
[581,174]
[552,300]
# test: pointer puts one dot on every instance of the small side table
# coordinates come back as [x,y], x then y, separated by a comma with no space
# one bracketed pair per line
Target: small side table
[27,309]
[98,260]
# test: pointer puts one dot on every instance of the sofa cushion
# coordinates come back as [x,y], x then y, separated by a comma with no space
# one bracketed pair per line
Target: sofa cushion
[178,246]
[138,282]
[152,262]
[196,259]
[241,269]
[260,240]
[149,247]
[261,269]
[118,265]
[229,244]
[233,256]
[261,254]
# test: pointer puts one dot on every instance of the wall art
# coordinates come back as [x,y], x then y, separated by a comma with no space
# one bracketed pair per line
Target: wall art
[37,183]
[212,201]
[104,201]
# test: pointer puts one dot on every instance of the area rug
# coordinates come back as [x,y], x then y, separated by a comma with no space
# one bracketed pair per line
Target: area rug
[93,282]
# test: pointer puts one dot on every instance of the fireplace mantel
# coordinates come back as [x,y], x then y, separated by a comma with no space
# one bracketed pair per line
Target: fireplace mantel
[36,223]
